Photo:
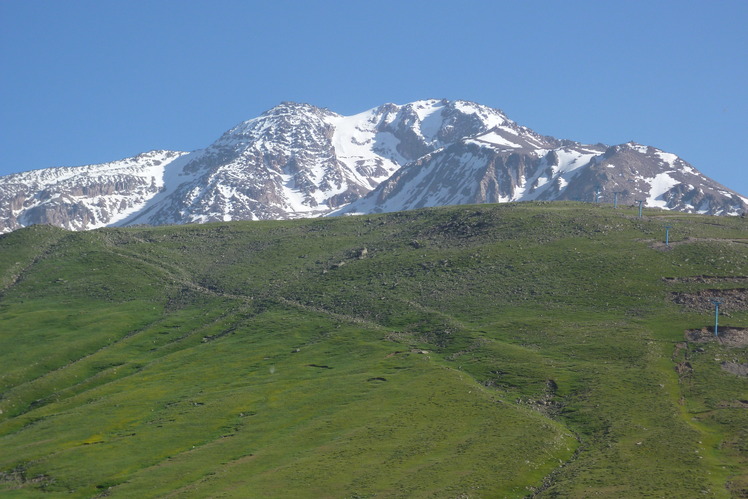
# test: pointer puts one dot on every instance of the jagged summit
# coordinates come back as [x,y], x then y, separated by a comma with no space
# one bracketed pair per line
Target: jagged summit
[298,160]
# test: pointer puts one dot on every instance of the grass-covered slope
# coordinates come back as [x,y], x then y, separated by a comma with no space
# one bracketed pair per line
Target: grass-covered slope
[483,351]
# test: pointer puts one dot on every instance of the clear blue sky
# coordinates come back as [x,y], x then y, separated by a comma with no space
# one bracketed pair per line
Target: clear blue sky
[85,82]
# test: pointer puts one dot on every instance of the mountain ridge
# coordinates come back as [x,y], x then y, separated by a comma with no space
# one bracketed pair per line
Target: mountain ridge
[298,161]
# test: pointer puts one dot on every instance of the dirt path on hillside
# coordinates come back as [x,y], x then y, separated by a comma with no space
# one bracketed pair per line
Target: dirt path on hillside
[181,277]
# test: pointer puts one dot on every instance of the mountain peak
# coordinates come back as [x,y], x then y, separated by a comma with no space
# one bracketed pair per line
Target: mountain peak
[286,107]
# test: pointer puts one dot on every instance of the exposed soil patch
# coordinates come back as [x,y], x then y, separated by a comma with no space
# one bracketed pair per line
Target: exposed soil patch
[678,348]
[732,299]
[731,404]
[546,403]
[661,246]
[708,279]
[734,337]
[735,368]
[19,477]
[412,350]
[683,368]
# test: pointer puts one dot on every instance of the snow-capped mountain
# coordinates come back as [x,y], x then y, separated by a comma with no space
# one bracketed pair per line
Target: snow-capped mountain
[486,169]
[84,197]
[297,160]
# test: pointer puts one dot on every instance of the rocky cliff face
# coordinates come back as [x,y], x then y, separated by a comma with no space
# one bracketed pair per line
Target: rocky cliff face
[297,160]
[83,197]
[485,170]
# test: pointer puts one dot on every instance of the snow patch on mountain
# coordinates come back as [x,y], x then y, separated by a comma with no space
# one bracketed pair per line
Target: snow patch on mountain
[659,185]
[569,160]
[371,156]
[429,118]
[493,137]
[667,157]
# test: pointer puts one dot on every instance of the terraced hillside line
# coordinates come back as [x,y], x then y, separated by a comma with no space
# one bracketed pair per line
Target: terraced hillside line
[451,320]
[8,281]
[60,394]
[335,315]
[153,263]
[81,359]
[185,281]
[194,286]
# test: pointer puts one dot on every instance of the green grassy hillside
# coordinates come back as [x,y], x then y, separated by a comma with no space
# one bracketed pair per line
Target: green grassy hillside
[548,350]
